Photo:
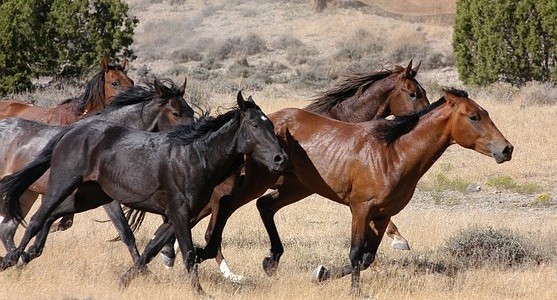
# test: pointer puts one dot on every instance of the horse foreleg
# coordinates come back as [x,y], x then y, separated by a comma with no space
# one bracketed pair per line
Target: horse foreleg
[179,215]
[399,242]
[224,205]
[289,192]
[219,258]
[163,235]
[321,273]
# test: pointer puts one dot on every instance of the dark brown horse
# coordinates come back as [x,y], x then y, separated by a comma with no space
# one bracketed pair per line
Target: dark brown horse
[174,171]
[372,167]
[358,97]
[111,80]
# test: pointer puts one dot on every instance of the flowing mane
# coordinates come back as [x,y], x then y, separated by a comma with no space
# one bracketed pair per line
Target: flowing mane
[142,94]
[203,127]
[352,85]
[390,130]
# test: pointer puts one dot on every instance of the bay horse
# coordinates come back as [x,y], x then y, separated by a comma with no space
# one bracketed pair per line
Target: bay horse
[358,97]
[109,81]
[174,174]
[372,167]
[153,107]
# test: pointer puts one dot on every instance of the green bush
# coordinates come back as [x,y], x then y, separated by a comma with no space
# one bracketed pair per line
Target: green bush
[63,38]
[511,41]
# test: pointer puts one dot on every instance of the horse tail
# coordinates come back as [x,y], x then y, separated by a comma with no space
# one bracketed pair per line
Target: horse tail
[14,185]
[134,218]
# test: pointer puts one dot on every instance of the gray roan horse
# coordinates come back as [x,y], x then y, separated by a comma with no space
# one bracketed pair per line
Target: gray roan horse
[175,172]
[153,107]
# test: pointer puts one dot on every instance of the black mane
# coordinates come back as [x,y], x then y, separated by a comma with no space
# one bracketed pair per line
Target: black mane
[390,130]
[352,84]
[142,94]
[204,126]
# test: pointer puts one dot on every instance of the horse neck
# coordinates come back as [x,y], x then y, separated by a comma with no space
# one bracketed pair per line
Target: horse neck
[370,104]
[218,152]
[424,144]
[142,116]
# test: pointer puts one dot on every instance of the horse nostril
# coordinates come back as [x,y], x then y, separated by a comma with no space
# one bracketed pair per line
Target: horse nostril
[278,158]
[508,150]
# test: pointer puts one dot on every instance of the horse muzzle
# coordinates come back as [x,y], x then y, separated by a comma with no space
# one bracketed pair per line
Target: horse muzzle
[503,154]
[280,162]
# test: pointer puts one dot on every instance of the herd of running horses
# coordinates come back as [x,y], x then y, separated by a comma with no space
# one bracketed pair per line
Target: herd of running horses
[143,149]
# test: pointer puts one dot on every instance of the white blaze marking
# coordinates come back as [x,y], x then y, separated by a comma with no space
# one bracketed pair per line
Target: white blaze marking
[264,118]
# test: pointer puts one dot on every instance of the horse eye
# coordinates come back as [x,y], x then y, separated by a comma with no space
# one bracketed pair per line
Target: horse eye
[413,95]
[175,113]
[474,118]
[114,83]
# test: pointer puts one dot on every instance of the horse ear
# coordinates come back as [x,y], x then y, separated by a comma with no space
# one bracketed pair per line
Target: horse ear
[104,64]
[241,101]
[182,89]
[408,70]
[451,99]
[415,69]
[158,88]
[250,99]
[123,64]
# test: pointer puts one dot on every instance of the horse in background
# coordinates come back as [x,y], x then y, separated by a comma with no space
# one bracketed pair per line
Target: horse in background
[109,81]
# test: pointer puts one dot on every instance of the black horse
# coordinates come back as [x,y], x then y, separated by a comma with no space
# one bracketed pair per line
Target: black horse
[172,173]
[154,106]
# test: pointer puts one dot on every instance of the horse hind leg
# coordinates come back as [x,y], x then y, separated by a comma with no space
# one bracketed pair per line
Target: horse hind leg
[86,197]
[9,227]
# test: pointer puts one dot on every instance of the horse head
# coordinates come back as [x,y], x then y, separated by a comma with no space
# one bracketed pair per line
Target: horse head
[115,78]
[471,127]
[407,96]
[256,136]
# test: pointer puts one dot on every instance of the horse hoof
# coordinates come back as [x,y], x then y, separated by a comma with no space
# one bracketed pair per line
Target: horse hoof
[23,260]
[400,245]
[167,260]
[5,263]
[234,278]
[318,275]
[270,266]
[61,226]
[126,277]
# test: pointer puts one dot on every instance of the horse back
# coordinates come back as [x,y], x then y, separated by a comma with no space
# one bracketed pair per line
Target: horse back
[60,115]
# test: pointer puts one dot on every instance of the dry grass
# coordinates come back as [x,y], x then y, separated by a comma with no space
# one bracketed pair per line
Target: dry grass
[298,53]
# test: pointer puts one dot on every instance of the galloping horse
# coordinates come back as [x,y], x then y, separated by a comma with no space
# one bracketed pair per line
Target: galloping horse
[111,80]
[358,97]
[372,167]
[152,107]
[175,171]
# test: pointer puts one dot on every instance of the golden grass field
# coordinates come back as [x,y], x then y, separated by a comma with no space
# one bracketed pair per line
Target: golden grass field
[518,196]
